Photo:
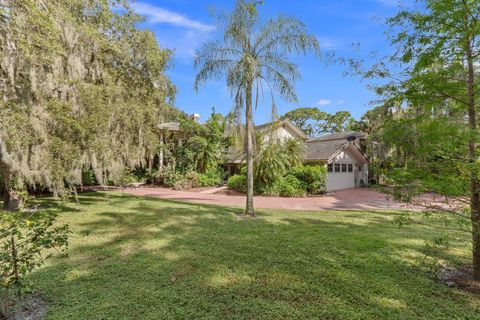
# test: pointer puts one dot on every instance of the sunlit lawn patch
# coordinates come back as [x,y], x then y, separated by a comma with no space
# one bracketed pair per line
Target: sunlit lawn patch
[144,258]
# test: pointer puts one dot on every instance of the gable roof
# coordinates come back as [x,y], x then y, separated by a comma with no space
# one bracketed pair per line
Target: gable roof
[340,136]
[326,147]
[231,129]
[323,150]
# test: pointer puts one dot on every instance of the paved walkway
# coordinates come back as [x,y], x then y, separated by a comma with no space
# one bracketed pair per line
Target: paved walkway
[351,199]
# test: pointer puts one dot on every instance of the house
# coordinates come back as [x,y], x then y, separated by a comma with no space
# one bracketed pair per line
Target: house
[340,152]
[347,166]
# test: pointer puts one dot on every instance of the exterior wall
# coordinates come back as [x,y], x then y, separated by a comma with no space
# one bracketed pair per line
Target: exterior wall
[236,152]
[280,133]
[342,180]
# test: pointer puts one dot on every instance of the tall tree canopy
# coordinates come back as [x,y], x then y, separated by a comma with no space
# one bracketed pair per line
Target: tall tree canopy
[252,56]
[80,87]
[434,129]
[314,122]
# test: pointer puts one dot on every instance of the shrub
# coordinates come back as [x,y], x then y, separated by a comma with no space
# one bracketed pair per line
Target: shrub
[127,178]
[88,178]
[25,243]
[270,165]
[210,178]
[315,178]
[188,181]
[291,186]
[238,182]
[165,177]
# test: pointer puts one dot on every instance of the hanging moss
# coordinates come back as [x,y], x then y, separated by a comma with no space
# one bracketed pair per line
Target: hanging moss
[80,87]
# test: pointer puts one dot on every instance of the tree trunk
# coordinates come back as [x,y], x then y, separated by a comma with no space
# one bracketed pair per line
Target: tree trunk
[249,150]
[474,178]
[11,200]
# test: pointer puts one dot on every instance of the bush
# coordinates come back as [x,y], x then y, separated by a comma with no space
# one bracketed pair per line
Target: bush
[127,179]
[88,178]
[315,178]
[210,179]
[238,182]
[25,243]
[165,177]
[188,181]
[291,186]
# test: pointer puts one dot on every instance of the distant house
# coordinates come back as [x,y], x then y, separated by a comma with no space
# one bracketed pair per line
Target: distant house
[340,152]
[346,164]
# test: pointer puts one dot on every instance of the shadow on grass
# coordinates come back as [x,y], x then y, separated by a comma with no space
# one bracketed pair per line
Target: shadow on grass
[147,258]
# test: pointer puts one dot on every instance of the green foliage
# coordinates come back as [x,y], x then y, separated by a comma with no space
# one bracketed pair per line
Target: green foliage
[211,178]
[206,147]
[127,178]
[167,176]
[250,57]
[238,182]
[83,88]
[275,158]
[187,181]
[271,165]
[26,241]
[427,126]
[88,178]
[295,182]
[315,178]
[291,186]
[314,122]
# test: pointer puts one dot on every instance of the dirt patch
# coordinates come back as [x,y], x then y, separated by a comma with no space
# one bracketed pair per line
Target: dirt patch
[30,307]
[461,278]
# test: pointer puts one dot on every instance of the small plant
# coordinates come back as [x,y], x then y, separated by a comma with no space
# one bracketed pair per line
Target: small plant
[26,241]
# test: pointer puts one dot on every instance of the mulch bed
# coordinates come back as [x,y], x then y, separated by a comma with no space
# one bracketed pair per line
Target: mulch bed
[30,307]
[461,278]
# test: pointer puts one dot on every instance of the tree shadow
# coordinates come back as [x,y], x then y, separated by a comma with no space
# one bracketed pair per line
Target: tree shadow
[147,258]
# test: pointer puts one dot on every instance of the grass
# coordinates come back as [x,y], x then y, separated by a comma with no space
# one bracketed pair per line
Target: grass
[145,258]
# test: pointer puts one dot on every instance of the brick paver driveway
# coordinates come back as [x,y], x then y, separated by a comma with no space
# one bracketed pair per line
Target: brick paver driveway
[351,199]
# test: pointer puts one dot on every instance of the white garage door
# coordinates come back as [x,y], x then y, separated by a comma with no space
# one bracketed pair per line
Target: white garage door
[340,180]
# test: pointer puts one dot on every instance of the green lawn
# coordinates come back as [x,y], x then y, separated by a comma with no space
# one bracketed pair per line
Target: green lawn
[144,258]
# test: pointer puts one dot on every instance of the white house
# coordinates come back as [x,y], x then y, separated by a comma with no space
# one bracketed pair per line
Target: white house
[346,164]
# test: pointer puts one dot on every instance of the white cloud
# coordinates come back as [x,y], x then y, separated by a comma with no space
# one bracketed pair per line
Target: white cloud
[340,102]
[161,15]
[324,102]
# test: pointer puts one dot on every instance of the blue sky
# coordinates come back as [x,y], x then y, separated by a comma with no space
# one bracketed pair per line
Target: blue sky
[184,25]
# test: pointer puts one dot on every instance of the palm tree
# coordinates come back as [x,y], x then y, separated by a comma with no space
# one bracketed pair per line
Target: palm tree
[252,56]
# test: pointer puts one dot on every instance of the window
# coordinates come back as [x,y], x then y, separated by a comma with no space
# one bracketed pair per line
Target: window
[350,167]
[337,167]
[330,167]
[344,167]
[359,167]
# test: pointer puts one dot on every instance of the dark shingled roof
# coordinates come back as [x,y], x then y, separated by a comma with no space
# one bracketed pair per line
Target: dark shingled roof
[340,135]
[323,150]
[324,147]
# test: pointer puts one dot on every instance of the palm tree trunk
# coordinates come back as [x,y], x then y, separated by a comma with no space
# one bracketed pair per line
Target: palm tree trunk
[474,178]
[249,150]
